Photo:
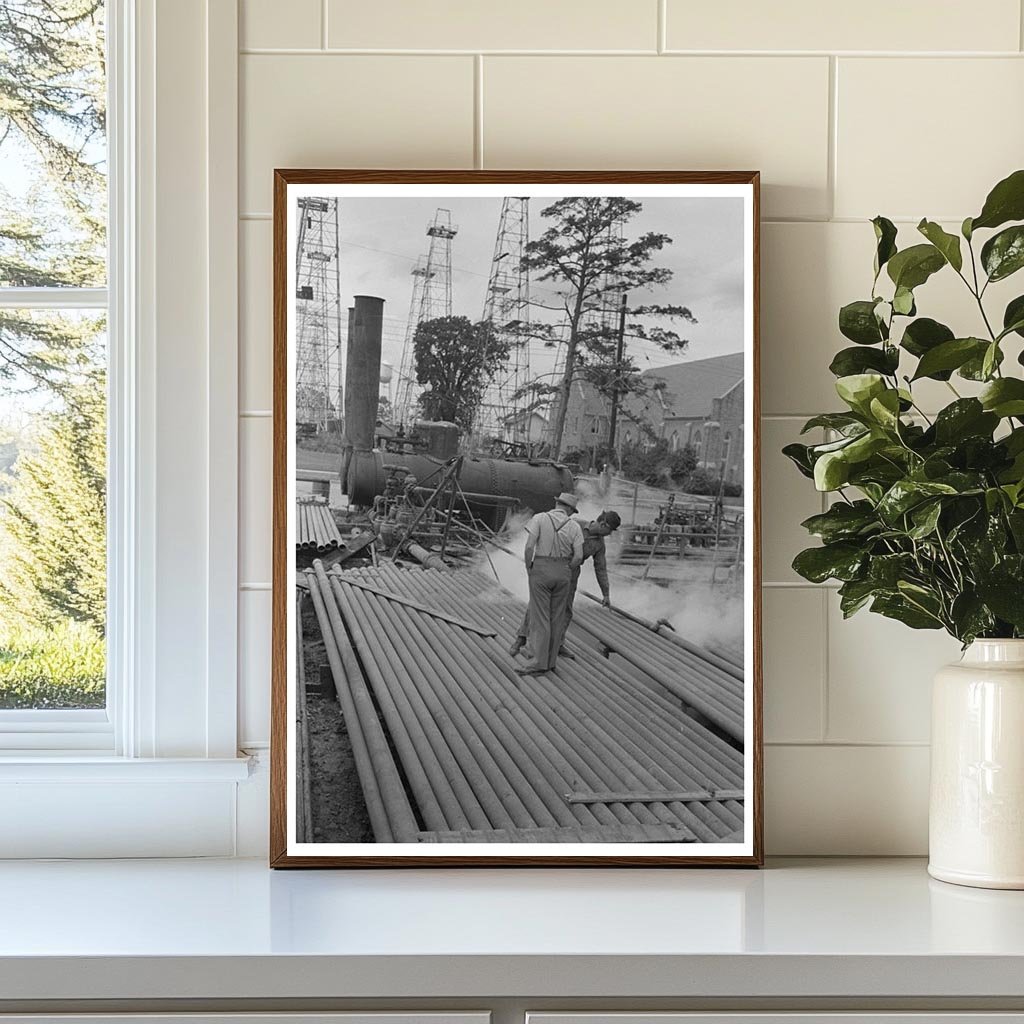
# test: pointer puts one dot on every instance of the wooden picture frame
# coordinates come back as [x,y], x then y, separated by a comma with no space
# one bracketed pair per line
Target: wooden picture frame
[699,721]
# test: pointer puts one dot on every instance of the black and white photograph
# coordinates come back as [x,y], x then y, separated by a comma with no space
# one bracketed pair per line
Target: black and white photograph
[518,519]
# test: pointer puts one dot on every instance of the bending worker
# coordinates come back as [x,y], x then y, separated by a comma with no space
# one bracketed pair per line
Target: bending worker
[593,547]
[554,550]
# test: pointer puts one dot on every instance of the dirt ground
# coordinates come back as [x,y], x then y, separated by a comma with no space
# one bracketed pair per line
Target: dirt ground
[338,810]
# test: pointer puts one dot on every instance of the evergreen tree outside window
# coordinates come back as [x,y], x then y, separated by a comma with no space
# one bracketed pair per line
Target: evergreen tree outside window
[53,397]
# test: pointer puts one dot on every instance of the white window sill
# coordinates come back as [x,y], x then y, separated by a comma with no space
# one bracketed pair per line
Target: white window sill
[81,767]
[199,933]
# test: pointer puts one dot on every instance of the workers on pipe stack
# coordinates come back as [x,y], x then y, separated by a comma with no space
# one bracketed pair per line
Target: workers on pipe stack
[554,549]
[594,534]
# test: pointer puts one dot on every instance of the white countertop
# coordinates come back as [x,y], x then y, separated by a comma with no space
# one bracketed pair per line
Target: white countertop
[234,929]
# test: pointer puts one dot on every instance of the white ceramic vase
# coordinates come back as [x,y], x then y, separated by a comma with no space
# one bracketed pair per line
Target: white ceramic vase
[976,816]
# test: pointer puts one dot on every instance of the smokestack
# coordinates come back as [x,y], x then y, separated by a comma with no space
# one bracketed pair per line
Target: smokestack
[362,364]
[362,378]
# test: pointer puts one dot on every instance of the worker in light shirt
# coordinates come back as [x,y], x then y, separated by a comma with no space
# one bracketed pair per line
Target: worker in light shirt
[593,547]
[554,550]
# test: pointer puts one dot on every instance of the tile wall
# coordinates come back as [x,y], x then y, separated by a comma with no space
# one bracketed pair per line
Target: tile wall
[906,109]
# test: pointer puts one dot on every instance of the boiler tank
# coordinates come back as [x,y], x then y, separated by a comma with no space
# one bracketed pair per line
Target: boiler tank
[534,485]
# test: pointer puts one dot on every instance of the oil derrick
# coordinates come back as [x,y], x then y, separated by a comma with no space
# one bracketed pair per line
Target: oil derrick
[317,308]
[507,310]
[431,298]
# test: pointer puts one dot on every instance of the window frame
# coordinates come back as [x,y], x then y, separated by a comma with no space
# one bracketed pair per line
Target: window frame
[151,126]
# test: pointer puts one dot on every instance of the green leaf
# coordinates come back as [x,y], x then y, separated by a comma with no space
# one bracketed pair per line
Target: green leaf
[850,361]
[903,302]
[1003,254]
[911,267]
[1005,202]
[924,334]
[905,495]
[947,244]
[966,417]
[1013,317]
[1005,596]
[949,356]
[833,420]
[831,471]
[1004,397]
[925,518]
[887,570]
[858,389]
[800,456]
[840,561]
[970,617]
[842,521]
[965,229]
[991,360]
[885,237]
[974,368]
[854,594]
[885,409]
[899,608]
[857,321]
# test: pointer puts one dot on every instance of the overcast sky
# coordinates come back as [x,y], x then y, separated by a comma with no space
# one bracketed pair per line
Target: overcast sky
[381,239]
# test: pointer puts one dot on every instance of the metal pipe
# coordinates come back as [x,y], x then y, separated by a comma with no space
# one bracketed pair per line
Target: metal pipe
[474,767]
[425,781]
[513,797]
[303,789]
[425,557]
[391,816]
[455,795]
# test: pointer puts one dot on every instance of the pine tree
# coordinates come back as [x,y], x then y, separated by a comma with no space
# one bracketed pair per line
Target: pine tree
[53,519]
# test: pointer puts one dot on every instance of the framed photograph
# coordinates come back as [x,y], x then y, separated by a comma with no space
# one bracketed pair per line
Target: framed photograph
[516,613]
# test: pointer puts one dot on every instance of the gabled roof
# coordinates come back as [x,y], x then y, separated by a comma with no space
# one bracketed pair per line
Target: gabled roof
[691,387]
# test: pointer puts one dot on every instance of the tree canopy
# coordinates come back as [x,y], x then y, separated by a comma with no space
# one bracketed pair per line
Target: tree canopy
[586,249]
[455,358]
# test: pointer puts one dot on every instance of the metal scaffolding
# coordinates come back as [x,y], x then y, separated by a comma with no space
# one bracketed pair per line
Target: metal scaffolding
[318,313]
[431,299]
[507,310]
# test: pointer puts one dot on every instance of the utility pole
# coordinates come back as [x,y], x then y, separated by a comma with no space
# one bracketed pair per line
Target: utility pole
[619,353]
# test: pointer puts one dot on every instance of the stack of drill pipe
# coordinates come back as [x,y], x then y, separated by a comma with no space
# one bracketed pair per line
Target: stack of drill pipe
[391,815]
[707,688]
[553,758]
[315,527]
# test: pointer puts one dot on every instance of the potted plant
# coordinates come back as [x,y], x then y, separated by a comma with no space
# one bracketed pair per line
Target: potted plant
[927,521]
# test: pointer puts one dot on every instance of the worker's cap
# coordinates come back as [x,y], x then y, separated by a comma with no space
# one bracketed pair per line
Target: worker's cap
[613,519]
[565,498]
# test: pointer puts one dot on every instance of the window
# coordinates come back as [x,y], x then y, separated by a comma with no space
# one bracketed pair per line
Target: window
[53,358]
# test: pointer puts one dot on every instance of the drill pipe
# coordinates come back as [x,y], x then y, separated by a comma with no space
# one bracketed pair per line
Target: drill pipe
[421,780]
[500,771]
[725,718]
[453,789]
[607,762]
[701,672]
[426,752]
[303,799]
[481,774]
[555,775]
[391,816]
[527,719]
[725,814]
[468,676]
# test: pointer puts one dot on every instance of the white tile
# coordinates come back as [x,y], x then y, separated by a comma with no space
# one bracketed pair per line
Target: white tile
[847,801]
[254,616]
[880,676]
[472,25]
[682,113]
[963,130]
[351,111]
[869,25]
[255,506]
[256,301]
[787,499]
[809,271]
[272,24]
[793,633]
